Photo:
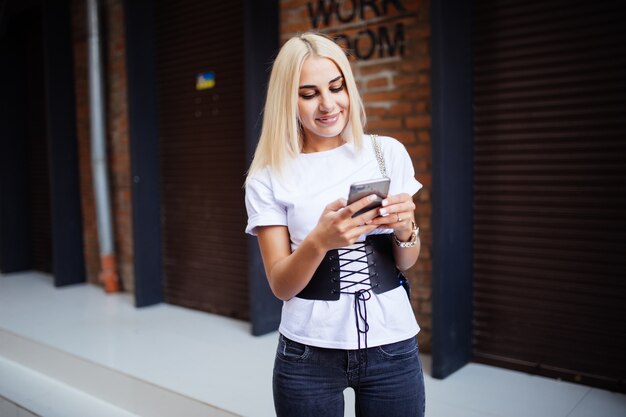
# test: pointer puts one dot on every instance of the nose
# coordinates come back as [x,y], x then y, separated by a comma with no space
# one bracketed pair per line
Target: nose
[327,104]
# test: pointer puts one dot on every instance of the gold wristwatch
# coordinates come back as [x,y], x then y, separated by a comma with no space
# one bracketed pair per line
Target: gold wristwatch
[412,239]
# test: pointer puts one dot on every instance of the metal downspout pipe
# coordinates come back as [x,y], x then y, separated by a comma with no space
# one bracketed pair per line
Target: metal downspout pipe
[108,273]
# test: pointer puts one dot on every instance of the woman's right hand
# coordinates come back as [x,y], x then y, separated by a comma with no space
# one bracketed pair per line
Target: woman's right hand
[289,272]
[336,228]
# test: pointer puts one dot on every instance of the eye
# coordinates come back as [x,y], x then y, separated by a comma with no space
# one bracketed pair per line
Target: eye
[308,94]
[337,89]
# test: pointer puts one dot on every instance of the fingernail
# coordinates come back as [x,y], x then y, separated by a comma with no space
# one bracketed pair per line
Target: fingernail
[385,202]
[383,212]
[373,197]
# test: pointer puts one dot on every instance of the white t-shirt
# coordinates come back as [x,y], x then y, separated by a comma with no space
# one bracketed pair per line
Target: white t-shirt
[297,199]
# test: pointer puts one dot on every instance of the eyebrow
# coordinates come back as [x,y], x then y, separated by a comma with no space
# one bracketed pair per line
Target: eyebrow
[314,86]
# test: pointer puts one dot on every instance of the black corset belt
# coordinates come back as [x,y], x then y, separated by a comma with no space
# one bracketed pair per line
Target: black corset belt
[375,262]
[373,270]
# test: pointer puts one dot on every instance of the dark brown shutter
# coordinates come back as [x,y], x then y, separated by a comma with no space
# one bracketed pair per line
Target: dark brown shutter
[202,155]
[550,188]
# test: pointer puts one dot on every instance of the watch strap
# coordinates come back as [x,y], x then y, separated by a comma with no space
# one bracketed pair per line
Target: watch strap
[412,239]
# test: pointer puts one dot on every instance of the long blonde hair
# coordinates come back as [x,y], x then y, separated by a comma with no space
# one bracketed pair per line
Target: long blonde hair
[281,136]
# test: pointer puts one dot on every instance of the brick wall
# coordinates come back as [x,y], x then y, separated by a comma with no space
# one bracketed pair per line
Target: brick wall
[112,31]
[389,46]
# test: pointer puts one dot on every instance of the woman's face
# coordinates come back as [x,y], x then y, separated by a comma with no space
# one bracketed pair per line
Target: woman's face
[323,104]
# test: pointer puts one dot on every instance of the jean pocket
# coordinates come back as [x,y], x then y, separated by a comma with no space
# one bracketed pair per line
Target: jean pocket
[291,350]
[399,350]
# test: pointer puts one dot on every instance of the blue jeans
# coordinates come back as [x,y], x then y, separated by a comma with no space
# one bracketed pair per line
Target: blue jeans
[309,381]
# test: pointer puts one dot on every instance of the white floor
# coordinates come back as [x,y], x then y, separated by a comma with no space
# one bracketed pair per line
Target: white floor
[76,351]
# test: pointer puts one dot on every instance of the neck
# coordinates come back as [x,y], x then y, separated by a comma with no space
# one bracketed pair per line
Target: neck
[320,145]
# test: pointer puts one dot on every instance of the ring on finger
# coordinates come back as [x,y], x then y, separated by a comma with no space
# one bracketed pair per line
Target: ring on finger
[399,219]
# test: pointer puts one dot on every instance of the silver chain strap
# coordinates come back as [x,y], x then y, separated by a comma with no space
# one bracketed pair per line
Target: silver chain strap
[379,155]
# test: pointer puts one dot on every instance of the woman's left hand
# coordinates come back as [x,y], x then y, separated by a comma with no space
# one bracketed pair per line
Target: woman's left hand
[397,213]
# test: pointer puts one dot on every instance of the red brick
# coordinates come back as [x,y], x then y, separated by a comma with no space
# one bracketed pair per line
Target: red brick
[367,15]
[424,336]
[421,165]
[425,323]
[295,27]
[424,294]
[421,278]
[382,96]
[417,93]
[291,4]
[425,307]
[405,136]
[423,195]
[421,106]
[377,82]
[416,65]
[418,151]
[422,48]
[405,80]
[423,136]
[373,69]
[386,123]
[412,6]
[401,108]
[375,111]
[426,179]
[423,32]
[421,121]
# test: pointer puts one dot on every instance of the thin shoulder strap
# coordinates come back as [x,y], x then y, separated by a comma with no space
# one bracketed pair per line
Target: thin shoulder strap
[379,155]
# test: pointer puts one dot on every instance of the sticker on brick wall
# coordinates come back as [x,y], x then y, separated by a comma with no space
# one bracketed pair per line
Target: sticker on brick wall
[205,81]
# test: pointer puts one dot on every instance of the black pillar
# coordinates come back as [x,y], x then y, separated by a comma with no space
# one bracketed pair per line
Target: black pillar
[261,45]
[452,185]
[15,226]
[144,147]
[68,259]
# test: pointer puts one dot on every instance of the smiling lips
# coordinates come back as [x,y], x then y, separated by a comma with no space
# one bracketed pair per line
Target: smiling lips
[328,120]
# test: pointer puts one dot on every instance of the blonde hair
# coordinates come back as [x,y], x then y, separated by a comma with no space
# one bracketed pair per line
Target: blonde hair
[281,136]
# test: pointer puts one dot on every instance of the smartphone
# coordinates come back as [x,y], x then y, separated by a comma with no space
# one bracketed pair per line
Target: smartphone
[361,189]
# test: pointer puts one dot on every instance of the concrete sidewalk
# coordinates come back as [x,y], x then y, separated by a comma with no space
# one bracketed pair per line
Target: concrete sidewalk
[68,350]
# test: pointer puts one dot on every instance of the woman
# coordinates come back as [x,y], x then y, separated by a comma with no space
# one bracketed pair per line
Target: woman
[346,320]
